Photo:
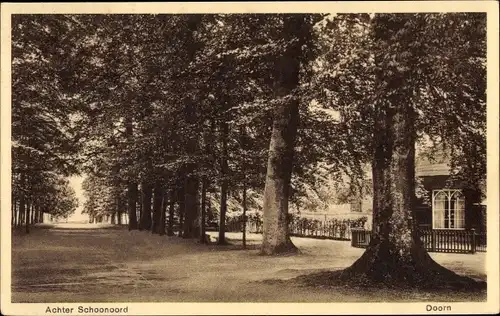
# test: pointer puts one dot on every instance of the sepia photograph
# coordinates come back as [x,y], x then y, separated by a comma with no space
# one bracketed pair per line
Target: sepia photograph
[212,153]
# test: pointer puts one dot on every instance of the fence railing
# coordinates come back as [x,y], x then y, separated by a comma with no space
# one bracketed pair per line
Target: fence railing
[360,238]
[435,240]
[321,230]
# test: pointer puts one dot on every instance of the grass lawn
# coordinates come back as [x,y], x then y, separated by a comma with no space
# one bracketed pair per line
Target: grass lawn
[91,263]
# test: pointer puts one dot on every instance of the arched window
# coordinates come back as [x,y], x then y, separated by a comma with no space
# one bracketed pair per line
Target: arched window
[448,209]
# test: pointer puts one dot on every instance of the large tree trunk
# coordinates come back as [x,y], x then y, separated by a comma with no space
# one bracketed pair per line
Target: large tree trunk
[281,149]
[396,253]
[191,221]
[147,192]
[276,193]
[157,209]
[191,116]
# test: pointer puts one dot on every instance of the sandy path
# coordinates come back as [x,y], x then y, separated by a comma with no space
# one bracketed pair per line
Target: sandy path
[88,263]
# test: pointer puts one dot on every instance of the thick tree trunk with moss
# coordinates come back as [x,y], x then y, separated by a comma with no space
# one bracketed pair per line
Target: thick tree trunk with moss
[396,255]
[281,149]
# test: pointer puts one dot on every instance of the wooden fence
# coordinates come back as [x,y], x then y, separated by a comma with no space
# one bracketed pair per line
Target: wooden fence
[436,240]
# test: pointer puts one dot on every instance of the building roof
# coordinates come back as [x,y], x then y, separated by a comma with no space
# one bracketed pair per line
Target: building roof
[437,166]
[431,169]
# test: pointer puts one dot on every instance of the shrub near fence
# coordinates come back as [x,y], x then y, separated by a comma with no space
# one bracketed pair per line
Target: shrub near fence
[253,223]
[435,240]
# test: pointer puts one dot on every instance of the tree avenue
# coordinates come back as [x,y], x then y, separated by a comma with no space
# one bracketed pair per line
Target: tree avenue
[172,118]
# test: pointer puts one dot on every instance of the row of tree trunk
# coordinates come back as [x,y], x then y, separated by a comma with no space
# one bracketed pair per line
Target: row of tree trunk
[157,209]
[25,213]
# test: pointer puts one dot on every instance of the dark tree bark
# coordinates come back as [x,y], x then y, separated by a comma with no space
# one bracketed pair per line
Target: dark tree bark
[171,210]
[163,215]
[157,209]
[224,182]
[191,182]
[22,212]
[147,192]
[396,254]
[182,208]
[132,205]
[191,219]
[472,212]
[204,184]
[244,202]
[14,212]
[28,217]
[33,213]
[131,185]
[119,207]
[281,149]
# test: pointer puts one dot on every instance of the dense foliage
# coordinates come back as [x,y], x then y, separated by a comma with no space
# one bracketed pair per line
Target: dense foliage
[171,115]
